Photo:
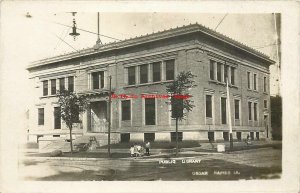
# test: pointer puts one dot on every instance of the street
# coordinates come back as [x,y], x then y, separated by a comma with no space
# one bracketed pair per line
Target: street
[263,163]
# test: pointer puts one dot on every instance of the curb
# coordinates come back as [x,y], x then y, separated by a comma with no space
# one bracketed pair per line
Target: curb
[126,158]
[66,158]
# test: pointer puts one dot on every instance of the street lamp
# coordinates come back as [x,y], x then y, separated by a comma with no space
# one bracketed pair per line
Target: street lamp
[74,32]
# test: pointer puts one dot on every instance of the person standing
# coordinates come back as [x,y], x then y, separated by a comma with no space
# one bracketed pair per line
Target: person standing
[148,148]
[131,151]
[135,150]
[139,148]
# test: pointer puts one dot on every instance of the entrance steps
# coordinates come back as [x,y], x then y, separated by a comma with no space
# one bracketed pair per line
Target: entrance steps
[49,146]
[97,140]
[90,140]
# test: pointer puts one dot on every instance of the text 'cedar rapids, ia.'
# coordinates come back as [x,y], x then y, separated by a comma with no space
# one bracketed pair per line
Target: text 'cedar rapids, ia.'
[183,161]
[216,172]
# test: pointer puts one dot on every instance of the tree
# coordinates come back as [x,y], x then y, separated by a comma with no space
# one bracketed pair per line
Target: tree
[71,105]
[276,117]
[180,98]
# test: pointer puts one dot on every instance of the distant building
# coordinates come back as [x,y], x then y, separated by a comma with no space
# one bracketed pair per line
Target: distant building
[144,65]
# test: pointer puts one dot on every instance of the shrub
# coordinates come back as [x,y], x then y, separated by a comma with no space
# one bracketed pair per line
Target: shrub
[56,153]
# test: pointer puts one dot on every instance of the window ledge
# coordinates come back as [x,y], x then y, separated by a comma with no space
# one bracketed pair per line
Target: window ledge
[48,96]
[265,93]
[222,83]
[148,84]
[233,86]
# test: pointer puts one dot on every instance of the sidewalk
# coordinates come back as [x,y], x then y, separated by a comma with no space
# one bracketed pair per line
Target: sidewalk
[123,153]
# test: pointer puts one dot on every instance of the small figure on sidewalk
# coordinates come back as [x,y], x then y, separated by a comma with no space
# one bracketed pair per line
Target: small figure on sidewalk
[135,150]
[131,151]
[139,148]
[148,148]
[248,140]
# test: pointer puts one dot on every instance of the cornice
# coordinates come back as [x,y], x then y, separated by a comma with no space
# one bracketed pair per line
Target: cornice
[192,28]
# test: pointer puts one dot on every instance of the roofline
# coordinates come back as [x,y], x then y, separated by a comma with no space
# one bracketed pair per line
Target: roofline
[173,32]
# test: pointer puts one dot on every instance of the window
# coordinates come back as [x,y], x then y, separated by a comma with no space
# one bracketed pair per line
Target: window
[239,136]
[248,80]
[223,110]
[77,119]
[226,136]
[232,75]
[225,73]
[237,109]
[255,111]
[255,81]
[40,116]
[156,71]
[95,77]
[265,84]
[98,80]
[57,122]
[257,135]
[173,136]
[45,88]
[131,75]
[53,87]
[62,84]
[212,70]
[144,73]
[209,106]
[249,111]
[150,111]
[177,107]
[211,136]
[149,137]
[219,77]
[170,69]
[125,137]
[252,135]
[71,83]
[126,114]
[265,104]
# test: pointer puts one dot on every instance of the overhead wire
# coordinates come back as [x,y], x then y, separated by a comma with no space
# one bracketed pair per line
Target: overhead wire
[88,31]
[59,42]
[66,43]
[221,21]
[264,46]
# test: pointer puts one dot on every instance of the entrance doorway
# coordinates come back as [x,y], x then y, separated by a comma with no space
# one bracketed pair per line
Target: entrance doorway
[97,116]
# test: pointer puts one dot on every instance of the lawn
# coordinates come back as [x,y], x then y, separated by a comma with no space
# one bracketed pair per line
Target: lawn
[156,145]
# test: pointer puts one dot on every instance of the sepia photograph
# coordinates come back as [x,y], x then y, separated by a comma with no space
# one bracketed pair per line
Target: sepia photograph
[157,95]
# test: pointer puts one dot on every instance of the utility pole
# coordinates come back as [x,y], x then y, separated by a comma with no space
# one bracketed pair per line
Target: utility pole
[229,116]
[98,42]
[176,136]
[109,117]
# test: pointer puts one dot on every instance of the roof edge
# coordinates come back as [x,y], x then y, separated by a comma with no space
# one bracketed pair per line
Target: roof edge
[151,37]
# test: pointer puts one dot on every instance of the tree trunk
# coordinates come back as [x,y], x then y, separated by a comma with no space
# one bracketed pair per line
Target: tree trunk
[176,136]
[71,140]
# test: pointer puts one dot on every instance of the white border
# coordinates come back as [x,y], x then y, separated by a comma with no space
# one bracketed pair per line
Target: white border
[289,89]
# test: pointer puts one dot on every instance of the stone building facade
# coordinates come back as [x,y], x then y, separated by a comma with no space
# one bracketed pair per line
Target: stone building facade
[143,66]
